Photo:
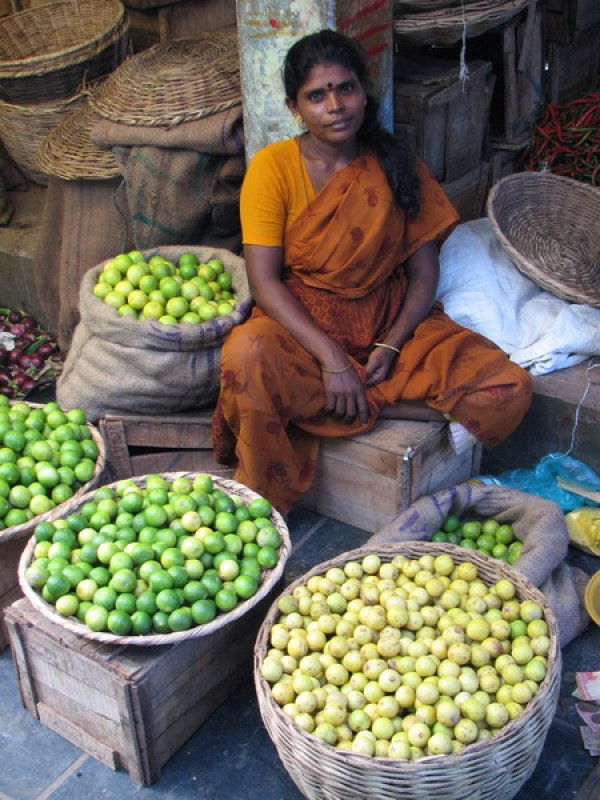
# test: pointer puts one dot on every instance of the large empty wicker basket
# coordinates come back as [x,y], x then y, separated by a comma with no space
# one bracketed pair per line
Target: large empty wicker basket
[549,226]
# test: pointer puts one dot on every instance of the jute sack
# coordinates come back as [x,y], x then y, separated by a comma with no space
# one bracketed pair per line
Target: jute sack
[538,523]
[118,364]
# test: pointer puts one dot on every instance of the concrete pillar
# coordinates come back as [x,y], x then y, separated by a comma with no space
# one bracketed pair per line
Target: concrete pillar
[266,30]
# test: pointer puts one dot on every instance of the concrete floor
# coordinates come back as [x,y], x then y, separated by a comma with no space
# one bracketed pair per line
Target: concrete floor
[231,756]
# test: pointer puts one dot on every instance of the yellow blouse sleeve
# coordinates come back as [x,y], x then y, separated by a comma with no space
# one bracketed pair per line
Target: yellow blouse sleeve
[275,190]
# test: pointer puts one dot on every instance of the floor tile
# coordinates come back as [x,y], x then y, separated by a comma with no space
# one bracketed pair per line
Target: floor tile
[31,756]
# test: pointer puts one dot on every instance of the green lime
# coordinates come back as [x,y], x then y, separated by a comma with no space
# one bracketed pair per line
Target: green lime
[141,623]
[259,507]
[452,523]
[167,600]
[226,599]
[118,622]
[180,619]
[203,611]
[267,557]
[245,586]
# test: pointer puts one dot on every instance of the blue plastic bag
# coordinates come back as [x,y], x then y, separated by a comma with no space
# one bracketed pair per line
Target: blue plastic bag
[541,480]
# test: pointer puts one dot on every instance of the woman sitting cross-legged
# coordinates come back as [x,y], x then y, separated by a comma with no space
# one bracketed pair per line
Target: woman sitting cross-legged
[341,228]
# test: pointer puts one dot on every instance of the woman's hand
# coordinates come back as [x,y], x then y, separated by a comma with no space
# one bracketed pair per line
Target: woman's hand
[379,365]
[345,397]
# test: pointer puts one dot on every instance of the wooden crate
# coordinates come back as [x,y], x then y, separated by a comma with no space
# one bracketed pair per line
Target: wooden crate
[139,445]
[468,193]
[152,22]
[129,707]
[505,158]
[574,68]
[566,20]
[516,52]
[10,553]
[366,480]
[444,118]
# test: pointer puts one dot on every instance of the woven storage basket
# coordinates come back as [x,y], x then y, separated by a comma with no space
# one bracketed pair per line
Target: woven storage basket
[173,82]
[488,770]
[269,578]
[447,25]
[548,226]
[25,530]
[68,152]
[52,51]
[22,128]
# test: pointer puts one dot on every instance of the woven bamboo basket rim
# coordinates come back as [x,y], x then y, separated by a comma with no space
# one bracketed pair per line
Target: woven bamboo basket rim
[446,25]
[401,6]
[23,127]
[173,82]
[68,152]
[269,579]
[26,529]
[548,226]
[322,772]
[46,38]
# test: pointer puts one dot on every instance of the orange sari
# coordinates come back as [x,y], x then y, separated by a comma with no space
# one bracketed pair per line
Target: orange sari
[344,260]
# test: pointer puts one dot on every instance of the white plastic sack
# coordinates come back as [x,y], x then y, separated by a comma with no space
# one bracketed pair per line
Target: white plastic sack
[483,290]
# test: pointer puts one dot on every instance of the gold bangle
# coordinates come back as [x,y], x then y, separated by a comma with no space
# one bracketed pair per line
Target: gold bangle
[335,371]
[387,346]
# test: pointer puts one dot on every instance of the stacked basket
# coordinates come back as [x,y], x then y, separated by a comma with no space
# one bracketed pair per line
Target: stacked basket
[419,23]
[49,55]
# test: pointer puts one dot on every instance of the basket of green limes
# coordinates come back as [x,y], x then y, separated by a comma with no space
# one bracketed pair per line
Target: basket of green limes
[156,559]
[49,457]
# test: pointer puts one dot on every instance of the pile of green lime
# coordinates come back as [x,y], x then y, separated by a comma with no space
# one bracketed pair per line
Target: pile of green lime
[154,556]
[46,455]
[487,536]
[171,292]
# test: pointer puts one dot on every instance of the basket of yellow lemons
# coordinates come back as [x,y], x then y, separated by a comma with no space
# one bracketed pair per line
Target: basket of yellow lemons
[409,670]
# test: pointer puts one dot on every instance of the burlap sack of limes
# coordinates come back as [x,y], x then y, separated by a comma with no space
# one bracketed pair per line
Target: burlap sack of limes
[120,364]
[538,523]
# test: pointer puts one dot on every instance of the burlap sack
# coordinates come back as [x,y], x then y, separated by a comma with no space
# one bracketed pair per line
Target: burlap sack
[118,364]
[83,223]
[182,183]
[539,524]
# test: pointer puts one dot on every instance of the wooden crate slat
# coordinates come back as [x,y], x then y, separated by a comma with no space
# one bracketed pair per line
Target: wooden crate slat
[134,706]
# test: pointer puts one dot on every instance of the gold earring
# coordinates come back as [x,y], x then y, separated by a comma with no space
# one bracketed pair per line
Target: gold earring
[299,119]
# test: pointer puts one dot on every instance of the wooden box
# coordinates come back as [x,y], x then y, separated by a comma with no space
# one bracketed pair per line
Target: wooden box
[468,193]
[366,480]
[566,20]
[129,707]
[574,68]
[153,22]
[10,553]
[140,445]
[444,118]
[516,52]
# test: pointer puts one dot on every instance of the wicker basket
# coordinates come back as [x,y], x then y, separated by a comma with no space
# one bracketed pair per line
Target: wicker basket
[68,152]
[25,530]
[489,770]
[448,24]
[22,128]
[173,82]
[548,226]
[52,51]
[270,578]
